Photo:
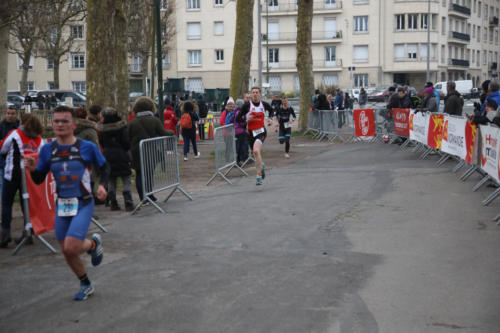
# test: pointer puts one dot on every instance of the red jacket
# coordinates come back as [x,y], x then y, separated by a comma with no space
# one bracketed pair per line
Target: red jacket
[170,120]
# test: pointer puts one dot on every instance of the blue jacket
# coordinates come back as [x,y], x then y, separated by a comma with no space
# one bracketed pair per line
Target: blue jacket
[339,100]
[494,96]
[438,97]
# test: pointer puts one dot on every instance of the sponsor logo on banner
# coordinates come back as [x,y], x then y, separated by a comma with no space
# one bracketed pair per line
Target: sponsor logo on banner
[402,122]
[41,203]
[471,142]
[489,152]
[435,132]
[454,138]
[419,126]
[364,122]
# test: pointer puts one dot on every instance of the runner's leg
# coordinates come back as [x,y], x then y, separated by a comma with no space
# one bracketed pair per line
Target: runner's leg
[257,146]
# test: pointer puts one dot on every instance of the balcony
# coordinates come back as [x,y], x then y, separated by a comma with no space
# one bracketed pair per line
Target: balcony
[276,38]
[458,63]
[493,66]
[290,7]
[290,66]
[135,68]
[458,37]
[494,21]
[457,10]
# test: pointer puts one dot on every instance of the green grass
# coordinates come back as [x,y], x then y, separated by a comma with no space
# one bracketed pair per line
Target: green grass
[301,134]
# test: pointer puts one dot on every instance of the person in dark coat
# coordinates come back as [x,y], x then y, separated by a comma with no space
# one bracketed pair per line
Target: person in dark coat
[144,126]
[453,102]
[322,103]
[11,122]
[114,140]
[202,113]
[404,98]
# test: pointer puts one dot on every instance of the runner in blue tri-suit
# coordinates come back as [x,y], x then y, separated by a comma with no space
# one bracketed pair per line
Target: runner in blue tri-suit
[69,159]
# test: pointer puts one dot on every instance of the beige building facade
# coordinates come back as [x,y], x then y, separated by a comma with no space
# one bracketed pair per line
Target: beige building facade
[355,43]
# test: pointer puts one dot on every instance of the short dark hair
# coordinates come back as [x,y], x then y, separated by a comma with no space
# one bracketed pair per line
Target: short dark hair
[144,103]
[492,104]
[494,86]
[32,124]
[256,87]
[64,108]
[392,88]
[401,89]
[485,85]
[95,109]
[451,85]
[429,84]
[81,113]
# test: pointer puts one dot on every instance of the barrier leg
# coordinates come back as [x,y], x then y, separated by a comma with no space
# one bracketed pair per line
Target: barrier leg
[39,237]
[237,166]
[140,204]
[458,166]
[181,190]
[218,173]
[470,172]
[98,224]
[443,159]
[481,183]
[250,158]
[426,153]
[492,197]
[497,219]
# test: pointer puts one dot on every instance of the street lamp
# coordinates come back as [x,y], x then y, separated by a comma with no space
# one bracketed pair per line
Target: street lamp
[429,20]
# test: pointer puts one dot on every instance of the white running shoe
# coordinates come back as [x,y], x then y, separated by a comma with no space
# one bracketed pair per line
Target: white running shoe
[185,158]
[286,155]
[197,155]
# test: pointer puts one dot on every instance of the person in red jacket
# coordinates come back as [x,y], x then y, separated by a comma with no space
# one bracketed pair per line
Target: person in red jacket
[169,118]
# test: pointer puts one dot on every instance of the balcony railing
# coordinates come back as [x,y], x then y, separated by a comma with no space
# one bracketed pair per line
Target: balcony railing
[459,35]
[494,20]
[493,66]
[291,6]
[458,62]
[292,36]
[291,64]
[459,9]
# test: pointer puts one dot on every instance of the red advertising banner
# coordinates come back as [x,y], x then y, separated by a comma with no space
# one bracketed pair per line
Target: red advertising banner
[435,134]
[364,122]
[402,122]
[42,203]
[470,142]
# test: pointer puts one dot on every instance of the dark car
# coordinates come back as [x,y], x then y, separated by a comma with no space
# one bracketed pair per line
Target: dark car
[379,95]
[17,100]
[79,100]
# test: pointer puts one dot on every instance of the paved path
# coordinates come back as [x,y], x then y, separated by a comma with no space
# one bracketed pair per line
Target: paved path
[362,238]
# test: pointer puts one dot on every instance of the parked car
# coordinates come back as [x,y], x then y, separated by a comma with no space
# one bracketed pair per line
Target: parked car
[17,100]
[79,100]
[380,94]
[354,93]
[464,87]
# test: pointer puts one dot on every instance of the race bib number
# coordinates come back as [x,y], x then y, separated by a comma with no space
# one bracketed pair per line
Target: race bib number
[287,125]
[258,131]
[67,206]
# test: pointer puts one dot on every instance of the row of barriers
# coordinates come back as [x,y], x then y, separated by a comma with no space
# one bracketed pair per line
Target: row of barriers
[448,136]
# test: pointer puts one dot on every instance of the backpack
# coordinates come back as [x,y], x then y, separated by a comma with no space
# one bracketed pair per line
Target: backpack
[230,118]
[186,122]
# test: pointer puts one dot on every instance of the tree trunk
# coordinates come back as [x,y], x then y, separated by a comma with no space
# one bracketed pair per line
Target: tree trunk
[107,71]
[4,57]
[24,76]
[56,72]
[144,71]
[304,59]
[242,52]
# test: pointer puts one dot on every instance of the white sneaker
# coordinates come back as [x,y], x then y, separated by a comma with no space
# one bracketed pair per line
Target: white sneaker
[197,155]
[185,158]
[286,155]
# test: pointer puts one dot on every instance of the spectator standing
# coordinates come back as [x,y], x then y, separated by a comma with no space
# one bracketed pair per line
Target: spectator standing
[393,101]
[363,98]
[227,118]
[144,126]
[202,113]
[275,105]
[322,103]
[26,139]
[347,102]
[436,93]
[9,123]
[429,103]
[115,143]
[86,129]
[188,122]
[94,114]
[40,101]
[338,103]
[453,102]
[241,135]
[404,98]
[169,118]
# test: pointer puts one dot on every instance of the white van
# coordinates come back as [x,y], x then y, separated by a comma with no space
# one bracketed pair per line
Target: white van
[464,87]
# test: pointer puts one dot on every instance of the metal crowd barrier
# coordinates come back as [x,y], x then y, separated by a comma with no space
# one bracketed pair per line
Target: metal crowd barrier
[159,169]
[225,152]
[313,120]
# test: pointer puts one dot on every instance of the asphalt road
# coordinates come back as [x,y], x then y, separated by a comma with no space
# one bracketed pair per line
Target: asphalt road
[361,238]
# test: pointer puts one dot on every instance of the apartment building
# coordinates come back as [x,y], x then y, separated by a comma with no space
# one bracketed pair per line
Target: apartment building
[354,43]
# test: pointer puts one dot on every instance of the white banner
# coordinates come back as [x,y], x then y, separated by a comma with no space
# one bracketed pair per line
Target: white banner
[419,126]
[453,141]
[490,137]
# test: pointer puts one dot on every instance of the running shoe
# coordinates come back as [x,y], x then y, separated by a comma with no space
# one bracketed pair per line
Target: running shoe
[98,251]
[185,158]
[259,180]
[85,291]
[197,155]
[286,155]
[263,171]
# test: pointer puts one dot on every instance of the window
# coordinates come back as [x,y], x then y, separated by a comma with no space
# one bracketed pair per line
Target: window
[50,62]
[30,85]
[163,4]
[330,56]
[423,21]
[399,51]
[193,4]
[219,55]
[360,80]
[136,65]
[77,60]
[478,34]
[194,58]
[330,26]
[412,21]
[361,53]
[274,57]
[297,83]
[273,31]
[484,57]
[443,50]
[358,2]
[272,5]
[165,61]
[194,30]
[275,82]
[76,31]
[423,51]
[219,28]
[78,86]
[330,80]
[400,22]
[485,34]
[443,25]
[412,51]
[491,35]
[478,60]
[218,3]
[479,9]
[330,3]
[473,31]
[195,84]
[50,85]
[360,23]
[20,62]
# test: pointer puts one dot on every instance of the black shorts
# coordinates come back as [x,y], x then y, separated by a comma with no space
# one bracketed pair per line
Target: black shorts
[252,139]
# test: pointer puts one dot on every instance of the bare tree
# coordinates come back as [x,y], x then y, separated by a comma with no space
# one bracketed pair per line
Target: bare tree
[57,32]
[304,59]
[242,54]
